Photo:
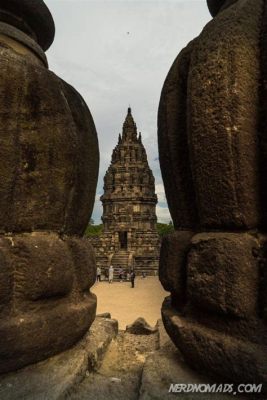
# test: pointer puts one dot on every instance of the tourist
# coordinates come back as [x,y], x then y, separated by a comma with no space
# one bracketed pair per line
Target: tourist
[98,274]
[143,274]
[132,278]
[120,274]
[110,274]
[106,274]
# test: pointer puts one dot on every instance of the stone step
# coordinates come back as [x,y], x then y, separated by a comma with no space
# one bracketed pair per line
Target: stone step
[55,378]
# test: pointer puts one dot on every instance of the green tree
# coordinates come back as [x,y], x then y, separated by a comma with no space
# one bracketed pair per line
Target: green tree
[164,229]
[93,230]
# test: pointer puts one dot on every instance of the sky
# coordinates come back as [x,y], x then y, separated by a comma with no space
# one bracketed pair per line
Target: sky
[117,54]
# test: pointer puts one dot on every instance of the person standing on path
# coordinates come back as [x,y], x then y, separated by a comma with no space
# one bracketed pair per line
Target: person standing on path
[120,274]
[110,274]
[98,274]
[132,278]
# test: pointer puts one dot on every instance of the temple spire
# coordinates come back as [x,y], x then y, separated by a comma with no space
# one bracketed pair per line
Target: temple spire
[129,132]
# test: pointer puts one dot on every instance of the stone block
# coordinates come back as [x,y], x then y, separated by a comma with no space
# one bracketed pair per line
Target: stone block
[166,367]
[58,376]
[55,169]
[45,329]
[172,267]
[173,143]
[83,258]
[223,117]
[41,266]
[214,353]
[46,295]
[223,273]
[141,327]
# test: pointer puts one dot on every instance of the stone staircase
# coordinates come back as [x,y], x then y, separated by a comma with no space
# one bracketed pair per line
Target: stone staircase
[147,271]
[119,260]
[147,265]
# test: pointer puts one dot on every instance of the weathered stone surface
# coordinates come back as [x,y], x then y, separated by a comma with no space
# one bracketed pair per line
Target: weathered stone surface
[173,259]
[83,258]
[56,377]
[141,327]
[129,239]
[48,176]
[30,16]
[223,120]
[165,367]
[104,315]
[215,353]
[46,292]
[119,376]
[64,162]
[212,146]
[163,336]
[227,191]
[223,273]
[216,5]
[173,143]
[98,339]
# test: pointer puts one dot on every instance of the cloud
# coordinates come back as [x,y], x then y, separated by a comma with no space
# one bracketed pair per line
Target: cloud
[112,69]
[160,192]
[163,214]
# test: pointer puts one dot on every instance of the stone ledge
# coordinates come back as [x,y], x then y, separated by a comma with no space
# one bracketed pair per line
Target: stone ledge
[167,366]
[54,378]
[214,352]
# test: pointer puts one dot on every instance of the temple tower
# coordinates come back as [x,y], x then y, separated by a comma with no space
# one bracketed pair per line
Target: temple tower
[129,238]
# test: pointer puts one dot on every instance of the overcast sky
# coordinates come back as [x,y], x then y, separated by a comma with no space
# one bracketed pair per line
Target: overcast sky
[116,54]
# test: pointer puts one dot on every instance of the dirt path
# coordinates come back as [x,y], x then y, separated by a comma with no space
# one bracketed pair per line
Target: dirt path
[126,304]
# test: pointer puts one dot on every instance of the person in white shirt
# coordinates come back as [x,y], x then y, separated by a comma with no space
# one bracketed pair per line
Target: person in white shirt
[110,274]
[98,274]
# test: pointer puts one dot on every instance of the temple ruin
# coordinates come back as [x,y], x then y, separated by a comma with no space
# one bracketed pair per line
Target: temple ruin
[129,239]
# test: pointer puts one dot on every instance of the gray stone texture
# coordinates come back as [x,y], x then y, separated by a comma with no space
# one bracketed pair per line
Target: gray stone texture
[167,366]
[223,118]
[222,273]
[141,327]
[173,259]
[47,296]
[212,146]
[46,146]
[55,378]
[48,175]
[215,353]
[173,143]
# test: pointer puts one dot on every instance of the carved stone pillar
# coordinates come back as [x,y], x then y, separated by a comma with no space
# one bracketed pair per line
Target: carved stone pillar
[212,134]
[48,173]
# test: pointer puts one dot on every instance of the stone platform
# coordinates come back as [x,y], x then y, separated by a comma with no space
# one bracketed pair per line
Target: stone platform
[109,364]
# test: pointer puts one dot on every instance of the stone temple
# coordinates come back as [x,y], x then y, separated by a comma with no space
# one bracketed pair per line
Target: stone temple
[129,239]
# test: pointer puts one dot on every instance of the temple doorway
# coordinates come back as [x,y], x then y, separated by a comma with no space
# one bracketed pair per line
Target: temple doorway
[123,239]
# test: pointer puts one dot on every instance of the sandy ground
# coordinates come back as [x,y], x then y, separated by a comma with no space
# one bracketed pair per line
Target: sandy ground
[126,304]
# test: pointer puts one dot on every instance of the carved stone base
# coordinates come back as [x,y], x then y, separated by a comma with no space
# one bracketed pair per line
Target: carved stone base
[46,305]
[214,352]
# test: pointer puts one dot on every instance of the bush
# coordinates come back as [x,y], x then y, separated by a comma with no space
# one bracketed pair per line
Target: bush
[164,229]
